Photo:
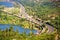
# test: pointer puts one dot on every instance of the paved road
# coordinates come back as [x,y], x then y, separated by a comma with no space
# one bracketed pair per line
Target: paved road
[28,17]
[50,28]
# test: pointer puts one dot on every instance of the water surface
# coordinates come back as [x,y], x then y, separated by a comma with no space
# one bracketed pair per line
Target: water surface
[19,28]
[6,4]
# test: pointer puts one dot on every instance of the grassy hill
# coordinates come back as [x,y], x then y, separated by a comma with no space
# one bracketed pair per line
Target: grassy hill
[45,10]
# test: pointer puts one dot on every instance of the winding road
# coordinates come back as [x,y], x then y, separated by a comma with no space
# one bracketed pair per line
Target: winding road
[29,18]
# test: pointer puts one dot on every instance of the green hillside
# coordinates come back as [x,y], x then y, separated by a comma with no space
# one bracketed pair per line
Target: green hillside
[46,10]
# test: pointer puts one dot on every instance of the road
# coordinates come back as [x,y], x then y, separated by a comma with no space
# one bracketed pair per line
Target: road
[29,18]
[50,28]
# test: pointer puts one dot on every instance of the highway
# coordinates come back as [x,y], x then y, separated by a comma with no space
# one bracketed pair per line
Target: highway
[31,19]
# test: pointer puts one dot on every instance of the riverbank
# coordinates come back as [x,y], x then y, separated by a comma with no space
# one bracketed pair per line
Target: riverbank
[16,27]
[10,34]
[10,19]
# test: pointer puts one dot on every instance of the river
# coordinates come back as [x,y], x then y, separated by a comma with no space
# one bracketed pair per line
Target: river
[6,4]
[15,27]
